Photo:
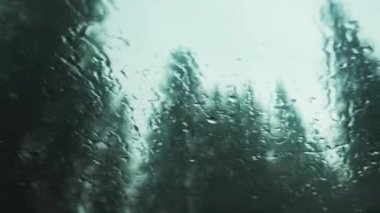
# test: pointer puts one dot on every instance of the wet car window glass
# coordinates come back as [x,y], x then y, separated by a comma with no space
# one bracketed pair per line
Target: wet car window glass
[202,106]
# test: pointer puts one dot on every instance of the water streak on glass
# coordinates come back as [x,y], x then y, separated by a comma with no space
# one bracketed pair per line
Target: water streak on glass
[120,106]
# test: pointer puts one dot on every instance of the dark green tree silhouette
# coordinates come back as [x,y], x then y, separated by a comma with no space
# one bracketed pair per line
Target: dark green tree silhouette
[229,156]
[57,94]
[295,170]
[27,43]
[352,74]
[108,176]
[173,140]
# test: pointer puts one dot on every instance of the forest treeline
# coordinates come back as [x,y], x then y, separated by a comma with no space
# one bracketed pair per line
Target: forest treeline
[66,132]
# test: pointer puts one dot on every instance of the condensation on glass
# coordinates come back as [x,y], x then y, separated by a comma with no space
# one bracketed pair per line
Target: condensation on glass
[121,106]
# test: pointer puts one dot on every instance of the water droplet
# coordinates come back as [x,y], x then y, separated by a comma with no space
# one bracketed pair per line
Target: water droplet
[352,25]
[367,50]
[101,145]
[233,99]
[211,120]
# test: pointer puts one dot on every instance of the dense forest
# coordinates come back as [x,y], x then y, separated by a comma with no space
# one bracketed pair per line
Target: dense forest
[66,127]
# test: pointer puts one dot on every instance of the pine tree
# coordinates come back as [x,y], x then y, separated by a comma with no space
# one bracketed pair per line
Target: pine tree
[173,141]
[294,174]
[353,77]
[229,165]
[27,44]
[64,91]
[108,177]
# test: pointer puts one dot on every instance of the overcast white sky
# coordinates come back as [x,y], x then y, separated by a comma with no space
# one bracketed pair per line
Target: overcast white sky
[235,41]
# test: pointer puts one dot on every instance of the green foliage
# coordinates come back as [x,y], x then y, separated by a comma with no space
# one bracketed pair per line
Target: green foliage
[220,155]
[353,75]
